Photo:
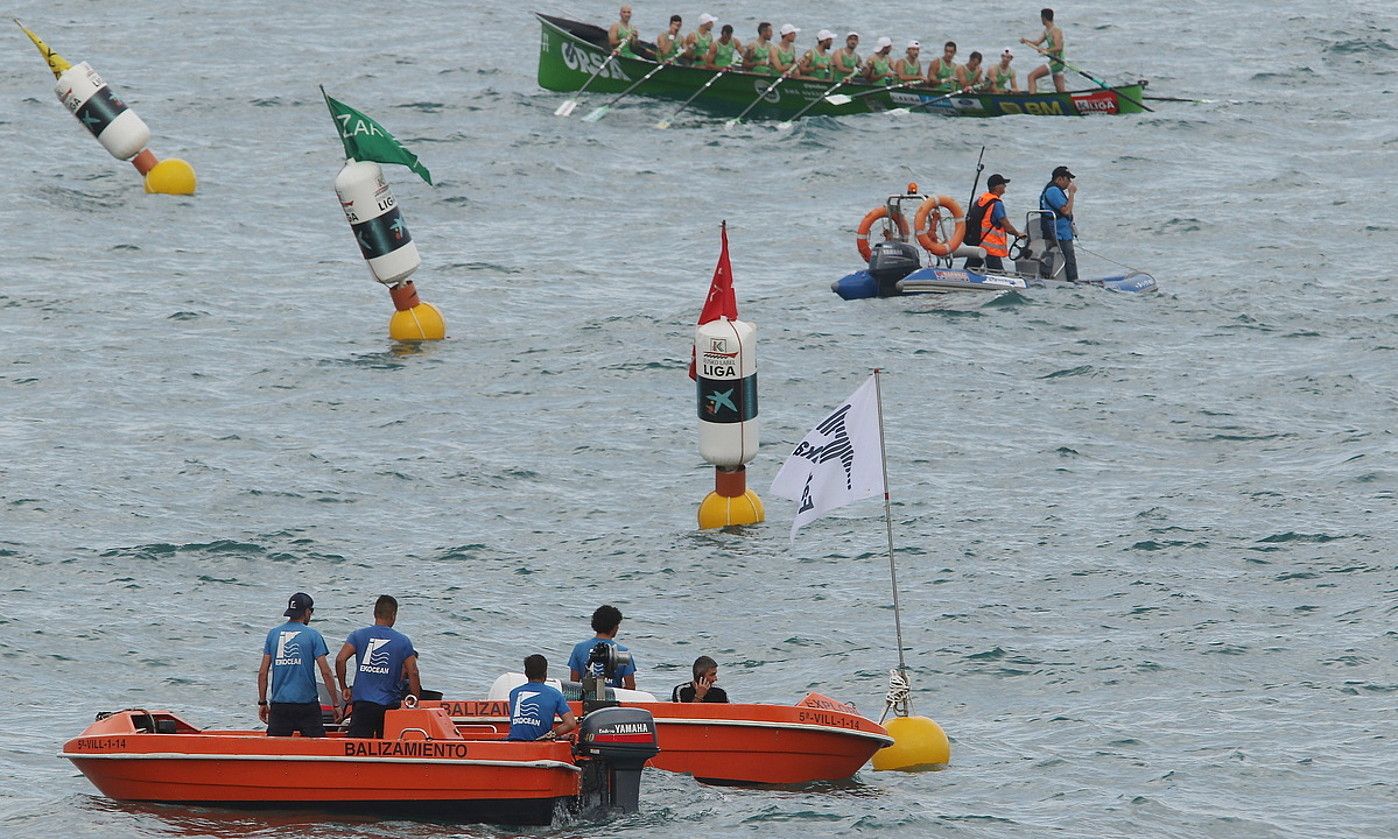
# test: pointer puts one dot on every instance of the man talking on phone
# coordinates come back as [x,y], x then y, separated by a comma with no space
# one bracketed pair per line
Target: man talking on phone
[702,689]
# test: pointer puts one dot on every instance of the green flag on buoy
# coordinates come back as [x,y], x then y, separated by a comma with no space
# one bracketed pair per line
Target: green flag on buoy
[365,139]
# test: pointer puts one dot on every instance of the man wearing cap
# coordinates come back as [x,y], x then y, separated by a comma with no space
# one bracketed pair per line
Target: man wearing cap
[622,35]
[757,57]
[384,657]
[291,654]
[909,67]
[845,62]
[815,64]
[878,69]
[784,52]
[941,71]
[1058,196]
[1000,78]
[669,44]
[987,223]
[697,43]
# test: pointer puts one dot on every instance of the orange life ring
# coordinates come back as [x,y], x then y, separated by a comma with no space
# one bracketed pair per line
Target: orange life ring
[928,237]
[861,240]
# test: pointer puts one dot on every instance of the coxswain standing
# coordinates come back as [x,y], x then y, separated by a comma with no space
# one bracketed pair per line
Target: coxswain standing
[669,44]
[622,34]
[815,64]
[879,69]
[784,52]
[969,76]
[988,222]
[941,71]
[845,62]
[909,67]
[757,58]
[724,53]
[1052,39]
[697,43]
[1000,78]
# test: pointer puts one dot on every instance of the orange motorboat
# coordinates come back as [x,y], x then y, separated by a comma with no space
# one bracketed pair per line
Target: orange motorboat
[423,766]
[817,739]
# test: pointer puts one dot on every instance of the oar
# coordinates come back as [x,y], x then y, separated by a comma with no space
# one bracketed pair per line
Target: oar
[786,124]
[665,123]
[1178,99]
[842,99]
[1086,75]
[763,95]
[601,110]
[570,105]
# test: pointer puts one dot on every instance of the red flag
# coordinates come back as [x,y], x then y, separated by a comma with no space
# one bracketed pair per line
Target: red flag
[721,301]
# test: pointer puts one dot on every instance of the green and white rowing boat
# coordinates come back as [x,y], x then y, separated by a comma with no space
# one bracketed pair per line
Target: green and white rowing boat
[570,52]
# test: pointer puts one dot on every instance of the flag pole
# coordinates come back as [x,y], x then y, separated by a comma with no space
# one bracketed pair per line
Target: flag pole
[898,694]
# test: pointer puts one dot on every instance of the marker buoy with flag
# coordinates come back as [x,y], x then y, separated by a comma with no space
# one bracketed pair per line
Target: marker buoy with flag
[377,223]
[83,92]
[840,461]
[723,365]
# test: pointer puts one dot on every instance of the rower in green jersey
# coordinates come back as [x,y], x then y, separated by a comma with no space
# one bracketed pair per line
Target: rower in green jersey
[969,76]
[815,64]
[757,58]
[845,62]
[879,68]
[623,34]
[784,51]
[697,43]
[909,67]
[668,44]
[726,52]
[1000,78]
[941,72]
[1052,39]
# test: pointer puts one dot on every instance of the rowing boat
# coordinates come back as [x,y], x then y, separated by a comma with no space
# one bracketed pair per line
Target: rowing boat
[570,52]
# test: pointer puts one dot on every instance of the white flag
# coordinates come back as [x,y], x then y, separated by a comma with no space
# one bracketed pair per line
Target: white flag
[837,462]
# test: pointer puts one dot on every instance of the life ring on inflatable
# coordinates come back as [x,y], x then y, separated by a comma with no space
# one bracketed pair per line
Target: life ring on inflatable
[927,228]
[861,240]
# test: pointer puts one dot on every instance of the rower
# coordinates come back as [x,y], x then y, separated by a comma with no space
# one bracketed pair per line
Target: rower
[757,58]
[969,76]
[845,62]
[909,67]
[723,53]
[784,52]
[941,72]
[988,222]
[697,43]
[669,44]
[815,64]
[535,704]
[878,69]
[1052,39]
[1000,78]
[622,34]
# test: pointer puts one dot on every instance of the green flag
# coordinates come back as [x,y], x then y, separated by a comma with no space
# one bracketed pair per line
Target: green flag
[365,139]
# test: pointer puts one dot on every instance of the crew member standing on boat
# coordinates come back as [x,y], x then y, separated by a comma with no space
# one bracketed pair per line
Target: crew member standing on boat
[1059,195]
[697,43]
[702,689]
[815,64]
[784,52]
[757,58]
[669,44]
[969,76]
[1000,78]
[988,222]
[879,69]
[384,657]
[846,61]
[1052,39]
[724,53]
[535,704]
[291,654]
[941,71]
[623,34]
[909,67]
[605,622]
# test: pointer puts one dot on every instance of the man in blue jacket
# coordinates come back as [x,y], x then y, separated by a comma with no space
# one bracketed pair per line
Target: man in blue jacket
[290,656]
[605,622]
[384,657]
[1059,196]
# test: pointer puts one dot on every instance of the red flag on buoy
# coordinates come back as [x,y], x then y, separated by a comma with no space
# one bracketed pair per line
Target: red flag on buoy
[721,301]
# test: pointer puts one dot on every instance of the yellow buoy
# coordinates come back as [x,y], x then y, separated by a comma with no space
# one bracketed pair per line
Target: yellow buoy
[918,744]
[422,322]
[171,176]
[731,503]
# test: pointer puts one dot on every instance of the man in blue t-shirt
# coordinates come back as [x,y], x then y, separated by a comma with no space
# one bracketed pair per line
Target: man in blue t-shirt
[534,704]
[290,655]
[383,658]
[605,622]
[1059,196]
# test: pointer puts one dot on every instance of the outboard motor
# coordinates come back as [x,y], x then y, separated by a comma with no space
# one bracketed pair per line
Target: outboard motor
[890,262]
[613,745]
[602,664]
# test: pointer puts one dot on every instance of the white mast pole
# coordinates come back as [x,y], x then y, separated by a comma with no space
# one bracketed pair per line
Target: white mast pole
[892,566]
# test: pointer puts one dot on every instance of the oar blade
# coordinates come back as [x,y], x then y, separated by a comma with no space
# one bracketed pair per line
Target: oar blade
[567,108]
[838,99]
[663,124]
[597,113]
[784,126]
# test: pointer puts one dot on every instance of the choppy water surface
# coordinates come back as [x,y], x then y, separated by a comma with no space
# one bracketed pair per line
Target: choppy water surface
[1147,545]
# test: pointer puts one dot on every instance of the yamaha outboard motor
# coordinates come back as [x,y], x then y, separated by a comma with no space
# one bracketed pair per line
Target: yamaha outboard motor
[614,745]
[890,262]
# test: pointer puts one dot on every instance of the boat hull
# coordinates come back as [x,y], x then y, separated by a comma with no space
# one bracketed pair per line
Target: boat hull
[570,52]
[861,285]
